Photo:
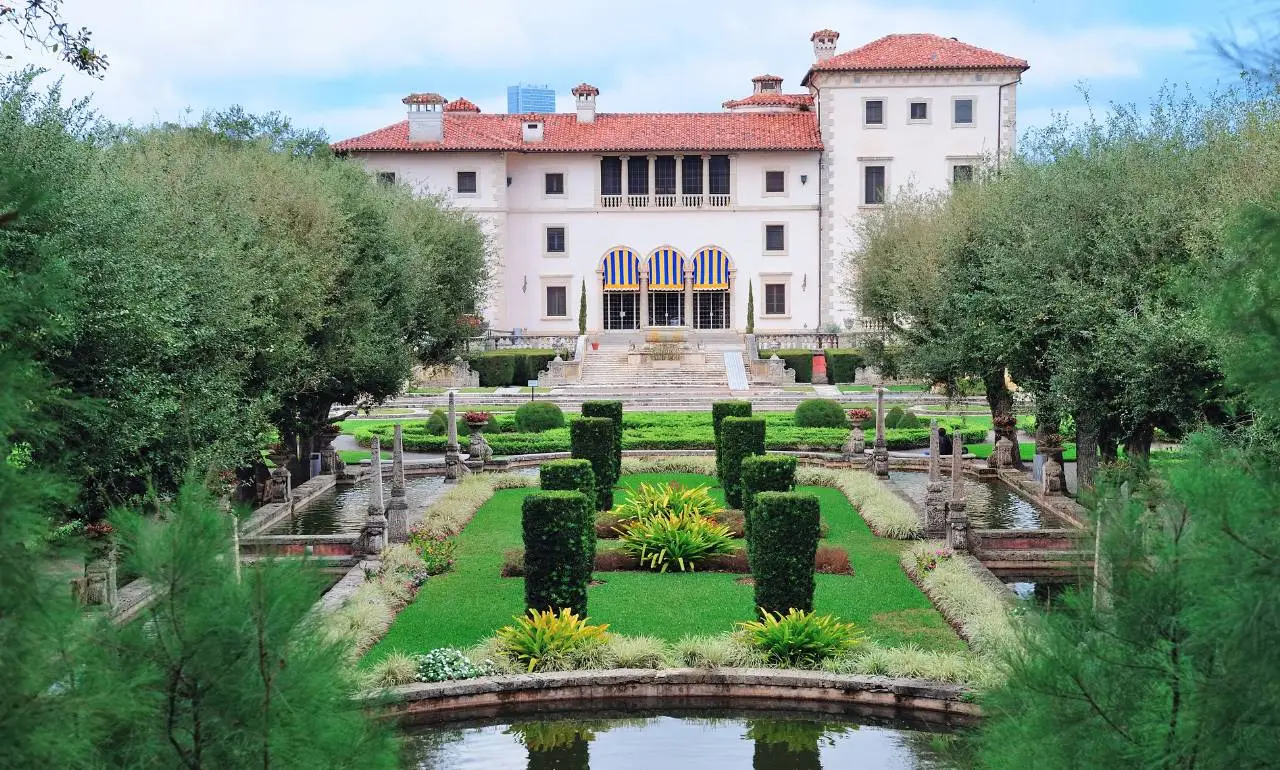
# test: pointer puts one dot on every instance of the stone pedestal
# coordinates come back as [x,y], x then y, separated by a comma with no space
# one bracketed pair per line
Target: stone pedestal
[452,456]
[855,446]
[398,509]
[373,536]
[100,581]
[279,486]
[880,450]
[935,499]
[1054,481]
[1002,456]
[957,508]
[478,450]
[329,461]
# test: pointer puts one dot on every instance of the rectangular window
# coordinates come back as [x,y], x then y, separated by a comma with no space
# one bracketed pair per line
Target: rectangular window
[875,112]
[874,191]
[775,299]
[664,173]
[467,182]
[557,302]
[611,176]
[775,181]
[919,110]
[692,175]
[554,184]
[387,178]
[638,175]
[555,240]
[719,172]
[775,237]
[963,112]
[961,174]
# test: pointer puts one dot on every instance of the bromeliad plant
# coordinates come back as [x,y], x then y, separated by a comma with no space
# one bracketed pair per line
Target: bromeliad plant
[437,551]
[534,637]
[675,538]
[800,639]
[649,500]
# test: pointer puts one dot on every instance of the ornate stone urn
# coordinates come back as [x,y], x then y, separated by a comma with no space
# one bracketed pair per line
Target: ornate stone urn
[477,447]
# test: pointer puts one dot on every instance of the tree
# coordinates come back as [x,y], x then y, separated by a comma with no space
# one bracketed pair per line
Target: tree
[751,310]
[40,22]
[582,309]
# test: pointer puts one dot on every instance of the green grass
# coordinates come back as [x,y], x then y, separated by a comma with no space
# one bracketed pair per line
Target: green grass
[469,604]
[1027,449]
[354,456]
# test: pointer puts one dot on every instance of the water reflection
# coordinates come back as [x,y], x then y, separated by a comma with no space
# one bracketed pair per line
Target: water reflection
[990,505]
[343,509]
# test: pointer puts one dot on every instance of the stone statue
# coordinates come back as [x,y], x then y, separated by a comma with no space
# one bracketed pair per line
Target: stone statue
[398,510]
[1054,481]
[880,450]
[957,513]
[479,449]
[452,459]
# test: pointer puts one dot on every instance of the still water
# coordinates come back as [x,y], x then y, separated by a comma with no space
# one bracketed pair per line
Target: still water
[681,739]
[343,509]
[990,506]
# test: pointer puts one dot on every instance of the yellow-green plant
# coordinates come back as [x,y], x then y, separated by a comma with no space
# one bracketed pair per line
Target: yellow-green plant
[650,500]
[800,639]
[534,637]
[675,538]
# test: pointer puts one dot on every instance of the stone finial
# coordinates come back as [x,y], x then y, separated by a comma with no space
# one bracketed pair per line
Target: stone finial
[452,456]
[375,526]
[957,511]
[935,499]
[880,450]
[398,510]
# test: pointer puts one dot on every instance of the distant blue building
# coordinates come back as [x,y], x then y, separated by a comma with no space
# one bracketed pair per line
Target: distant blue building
[527,98]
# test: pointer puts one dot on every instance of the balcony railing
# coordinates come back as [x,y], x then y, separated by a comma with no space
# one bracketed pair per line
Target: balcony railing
[665,201]
[637,201]
[718,201]
[692,201]
[610,201]
[688,201]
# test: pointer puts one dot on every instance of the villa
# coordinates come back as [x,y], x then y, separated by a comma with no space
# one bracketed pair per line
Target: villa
[667,218]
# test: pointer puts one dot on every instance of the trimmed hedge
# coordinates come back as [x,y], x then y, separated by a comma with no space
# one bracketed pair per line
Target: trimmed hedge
[764,473]
[843,365]
[498,368]
[821,413]
[592,439]
[559,550]
[740,437]
[719,411]
[893,417]
[438,423]
[537,416]
[573,475]
[908,421]
[785,532]
[612,410]
[800,360]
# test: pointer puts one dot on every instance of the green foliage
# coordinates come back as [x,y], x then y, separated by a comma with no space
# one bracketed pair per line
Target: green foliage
[438,423]
[682,539]
[799,360]
[447,663]
[582,309]
[537,416]
[540,635]
[496,368]
[592,439]
[569,474]
[893,417]
[648,500]
[908,421]
[800,639]
[740,437]
[843,365]
[559,545]
[612,410]
[751,310]
[764,473]
[437,551]
[719,411]
[821,413]
[784,532]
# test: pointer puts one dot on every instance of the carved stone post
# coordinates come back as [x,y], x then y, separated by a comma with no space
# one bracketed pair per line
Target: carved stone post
[1002,457]
[280,487]
[880,450]
[452,459]
[688,297]
[935,499]
[398,510]
[1054,481]
[328,461]
[957,513]
[375,524]
[100,582]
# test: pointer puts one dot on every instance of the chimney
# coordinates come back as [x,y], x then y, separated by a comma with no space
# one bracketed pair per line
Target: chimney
[766,84]
[586,94]
[426,117]
[531,128]
[824,44]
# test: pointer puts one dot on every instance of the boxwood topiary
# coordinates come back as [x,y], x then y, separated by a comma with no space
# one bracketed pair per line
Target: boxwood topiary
[437,423]
[843,364]
[764,473]
[800,360]
[591,439]
[537,416]
[784,529]
[494,370]
[719,411]
[908,420]
[740,437]
[821,413]
[893,417]
[571,474]
[612,410]
[559,550]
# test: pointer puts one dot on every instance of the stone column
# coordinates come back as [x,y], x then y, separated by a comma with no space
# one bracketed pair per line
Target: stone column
[880,450]
[328,461]
[935,500]
[452,458]
[398,510]
[679,180]
[957,515]
[651,186]
[100,581]
[375,524]
[644,297]
[626,179]
[706,179]
[688,297]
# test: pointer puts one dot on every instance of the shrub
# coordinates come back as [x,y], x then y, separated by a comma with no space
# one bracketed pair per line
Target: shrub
[821,413]
[591,439]
[719,411]
[438,423]
[800,360]
[893,417]
[740,437]
[843,365]
[437,551]
[559,549]
[537,416]
[764,473]
[561,475]
[649,500]
[395,669]
[613,411]
[800,638]
[494,370]
[671,538]
[534,637]
[908,421]
[447,663]
[832,560]
[637,652]
[510,367]
[784,532]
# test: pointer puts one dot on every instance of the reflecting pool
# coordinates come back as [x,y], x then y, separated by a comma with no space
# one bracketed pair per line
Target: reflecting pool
[343,509]
[990,505]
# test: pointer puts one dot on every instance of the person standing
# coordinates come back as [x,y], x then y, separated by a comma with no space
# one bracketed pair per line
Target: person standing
[944,443]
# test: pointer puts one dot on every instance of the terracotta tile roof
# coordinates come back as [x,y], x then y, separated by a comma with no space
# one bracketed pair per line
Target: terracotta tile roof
[766,78]
[461,104]
[831,33]
[427,98]
[584,88]
[917,52]
[611,132]
[771,100]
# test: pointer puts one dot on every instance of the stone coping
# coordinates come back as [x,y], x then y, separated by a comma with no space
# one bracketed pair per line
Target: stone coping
[774,688]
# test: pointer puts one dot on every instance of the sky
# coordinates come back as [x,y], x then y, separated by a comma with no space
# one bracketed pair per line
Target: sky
[344,66]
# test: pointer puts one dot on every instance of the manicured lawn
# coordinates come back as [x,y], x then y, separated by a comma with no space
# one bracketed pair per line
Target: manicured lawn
[1025,448]
[469,604]
[906,388]
[353,456]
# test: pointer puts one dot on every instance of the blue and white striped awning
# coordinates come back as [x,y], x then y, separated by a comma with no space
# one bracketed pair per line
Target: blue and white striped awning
[710,269]
[621,269]
[666,270]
